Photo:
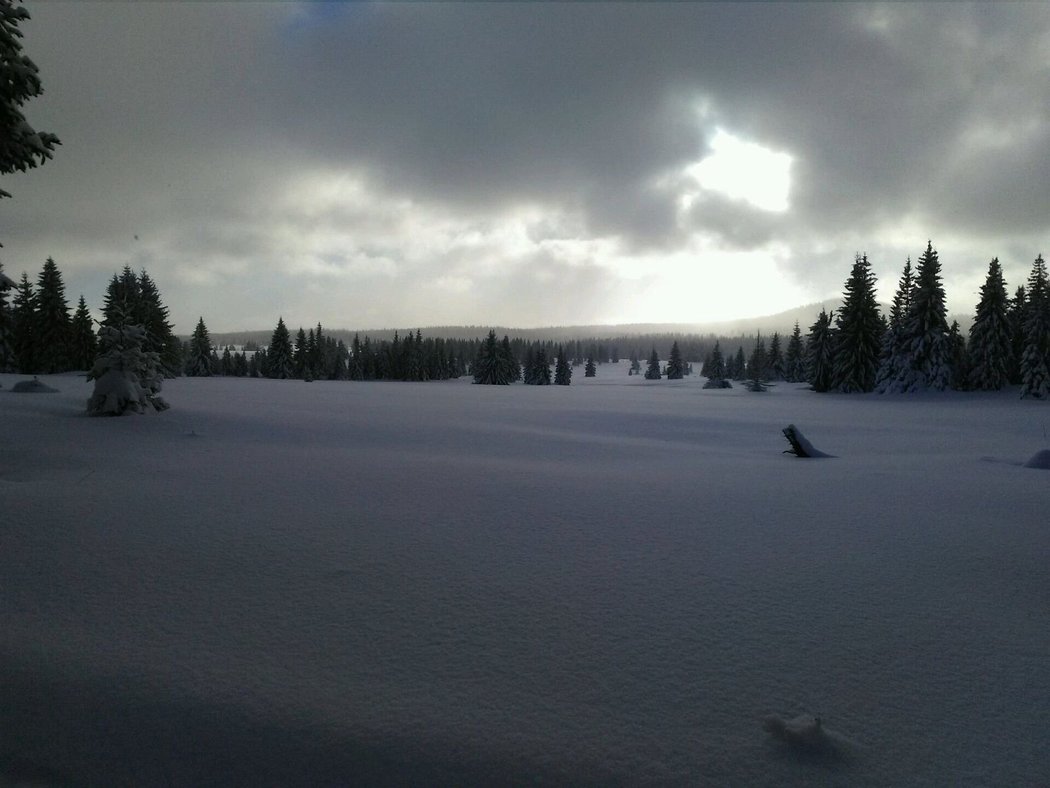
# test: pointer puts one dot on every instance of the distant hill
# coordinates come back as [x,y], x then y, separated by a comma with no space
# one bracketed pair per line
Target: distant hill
[782,322]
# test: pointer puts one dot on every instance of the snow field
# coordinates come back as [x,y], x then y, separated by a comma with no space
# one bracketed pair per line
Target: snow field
[278,582]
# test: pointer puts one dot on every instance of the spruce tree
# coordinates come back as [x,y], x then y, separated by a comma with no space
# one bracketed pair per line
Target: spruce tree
[1015,313]
[83,340]
[489,368]
[716,366]
[675,366]
[299,355]
[636,365]
[858,332]
[927,350]
[7,352]
[820,353]
[279,353]
[653,371]
[795,358]
[541,368]
[200,360]
[892,357]
[52,321]
[511,369]
[739,370]
[758,365]
[23,324]
[775,358]
[562,369]
[127,377]
[151,313]
[1035,361]
[990,341]
[590,370]
[21,146]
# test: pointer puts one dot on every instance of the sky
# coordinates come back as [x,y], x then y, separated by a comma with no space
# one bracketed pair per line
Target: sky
[415,164]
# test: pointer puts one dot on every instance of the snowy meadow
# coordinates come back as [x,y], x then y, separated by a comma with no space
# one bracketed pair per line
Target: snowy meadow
[289,583]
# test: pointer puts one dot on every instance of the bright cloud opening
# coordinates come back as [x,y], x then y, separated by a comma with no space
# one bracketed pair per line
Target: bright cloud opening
[746,171]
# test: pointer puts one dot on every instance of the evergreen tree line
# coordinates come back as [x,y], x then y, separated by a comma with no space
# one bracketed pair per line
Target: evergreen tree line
[913,348]
[40,335]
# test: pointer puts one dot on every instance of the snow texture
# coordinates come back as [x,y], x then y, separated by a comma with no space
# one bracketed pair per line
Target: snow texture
[442,583]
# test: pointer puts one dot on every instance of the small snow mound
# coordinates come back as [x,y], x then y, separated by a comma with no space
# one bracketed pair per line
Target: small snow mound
[718,383]
[800,445]
[33,386]
[1041,460]
[807,735]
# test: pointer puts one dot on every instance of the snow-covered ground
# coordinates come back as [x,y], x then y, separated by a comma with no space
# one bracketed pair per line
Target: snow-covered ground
[279,582]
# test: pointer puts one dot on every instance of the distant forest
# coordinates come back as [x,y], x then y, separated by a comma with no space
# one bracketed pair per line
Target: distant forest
[856,347]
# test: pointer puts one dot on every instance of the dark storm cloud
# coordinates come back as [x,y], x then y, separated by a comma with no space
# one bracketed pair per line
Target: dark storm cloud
[189,124]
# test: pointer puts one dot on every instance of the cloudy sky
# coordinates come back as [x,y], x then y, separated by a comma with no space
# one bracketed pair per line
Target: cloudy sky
[414,164]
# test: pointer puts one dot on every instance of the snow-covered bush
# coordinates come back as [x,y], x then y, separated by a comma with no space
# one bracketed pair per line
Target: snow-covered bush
[126,376]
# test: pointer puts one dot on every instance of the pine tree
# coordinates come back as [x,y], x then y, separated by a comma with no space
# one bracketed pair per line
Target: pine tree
[83,341]
[279,353]
[675,367]
[52,321]
[21,146]
[716,367]
[959,360]
[590,370]
[795,359]
[23,323]
[636,365]
[562,370]
[927,350]
[299,356]
[200,360]
[858,332]
[7,352]
[122,303]
[820,354]
[653,371]
[892,356]
[990,341]
[1035,362]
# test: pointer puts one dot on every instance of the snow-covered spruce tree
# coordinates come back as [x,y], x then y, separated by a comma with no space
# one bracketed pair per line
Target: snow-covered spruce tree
[739,370]
[299,354]
[562,369]
[820,352]
[127,377]
[989,349]
[279,353]
[541,368]
[83,341]
[199,364]
[795,358]
[21,146]
[52,321]
[528,372]
[23,324]
[927,349]
[675,366]
[653,370]
[892,358]
[589,369]
[858,332]
[1035,361]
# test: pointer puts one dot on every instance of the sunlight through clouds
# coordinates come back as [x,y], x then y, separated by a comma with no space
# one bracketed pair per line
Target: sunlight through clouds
[746,171]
